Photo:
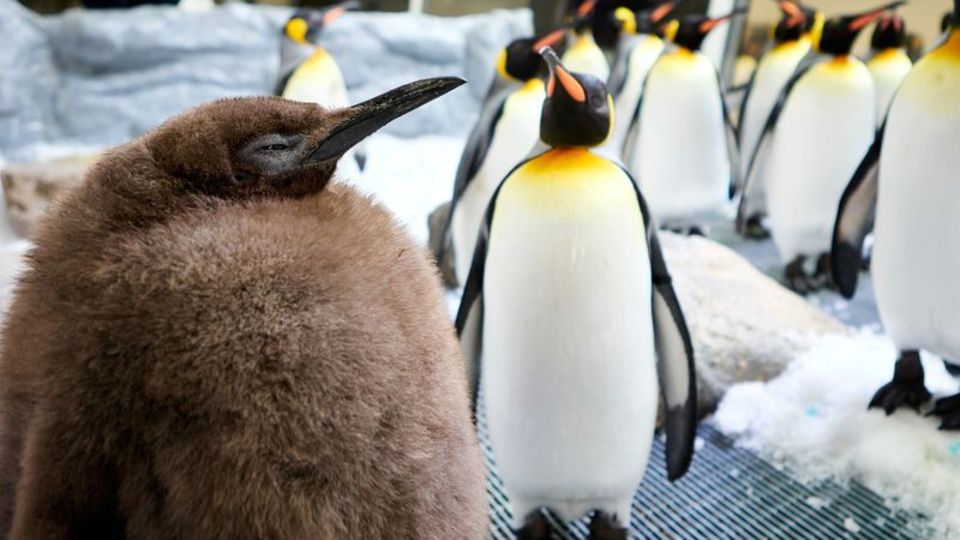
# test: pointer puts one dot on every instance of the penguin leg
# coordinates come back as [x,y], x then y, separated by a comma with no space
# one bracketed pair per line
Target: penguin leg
[754,229]
[696,230]
[604,526]
[906,388]
[535,527]
[796,276]
[948,409]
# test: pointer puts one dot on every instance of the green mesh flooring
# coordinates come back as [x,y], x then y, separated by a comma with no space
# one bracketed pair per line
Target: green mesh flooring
[730,493]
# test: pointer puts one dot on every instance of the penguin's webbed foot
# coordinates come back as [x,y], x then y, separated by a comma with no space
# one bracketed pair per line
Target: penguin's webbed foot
[535,527]
[948,409]
[823,276]
[796,277]
[906,388]
[603,526]
[754,229]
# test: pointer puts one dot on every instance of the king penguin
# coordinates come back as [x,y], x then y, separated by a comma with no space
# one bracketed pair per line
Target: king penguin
[310,74]
[212,339]
[813,140]
[568,315]
[584,55]
[793,41]
[683,114]
[888,63]
[642,43]
[907,183]
[504,135]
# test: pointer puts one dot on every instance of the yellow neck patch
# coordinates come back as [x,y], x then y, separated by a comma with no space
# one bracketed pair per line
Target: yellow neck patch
[950,50]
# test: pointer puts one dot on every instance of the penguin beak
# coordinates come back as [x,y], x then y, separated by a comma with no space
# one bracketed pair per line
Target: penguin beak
[373,114]
[793,11]
[560,73]
[661,12]
[550,39]
[338,11]
[709,24]
[859,21]
[586,8]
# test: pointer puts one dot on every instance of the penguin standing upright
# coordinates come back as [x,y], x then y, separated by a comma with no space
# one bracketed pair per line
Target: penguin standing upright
[888,63]
[793,44]
[211,339]
[584,55]
[310,74]
[908,182]
[566,317]
[681,145]
[505,132]
[813,140]
[640,47]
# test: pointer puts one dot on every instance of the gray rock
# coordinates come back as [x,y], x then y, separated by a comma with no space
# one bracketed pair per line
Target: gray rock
[745,326]
[28,188]
[100,78]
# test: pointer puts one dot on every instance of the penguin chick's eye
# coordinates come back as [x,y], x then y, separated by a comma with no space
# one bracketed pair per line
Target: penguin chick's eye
[275,147]
[271,153]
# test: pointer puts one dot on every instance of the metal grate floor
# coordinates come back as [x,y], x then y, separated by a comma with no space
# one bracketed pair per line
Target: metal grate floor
[730,493]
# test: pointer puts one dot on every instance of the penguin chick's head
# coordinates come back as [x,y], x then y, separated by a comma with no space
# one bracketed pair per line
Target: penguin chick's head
[692,29]
[890,33]
[578,110]
[521,60]
[305,25]
[839,33]
[796,21]
[255,147]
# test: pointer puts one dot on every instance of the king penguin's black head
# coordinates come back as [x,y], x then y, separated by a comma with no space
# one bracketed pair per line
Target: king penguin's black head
[651,21]
[693,29]
[839,33]
[306,25]
[890,33]
[795,21]
[951,19]
[521,59]
[578,110]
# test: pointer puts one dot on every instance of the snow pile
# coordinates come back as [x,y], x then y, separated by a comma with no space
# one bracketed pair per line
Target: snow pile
[814,419]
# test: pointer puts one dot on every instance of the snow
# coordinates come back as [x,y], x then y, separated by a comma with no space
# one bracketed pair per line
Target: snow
[813,420]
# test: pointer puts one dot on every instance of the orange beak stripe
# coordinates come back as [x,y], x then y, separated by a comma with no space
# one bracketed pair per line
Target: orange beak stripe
[549,39]
[570,85]
[864,20]
[658,14]
[333,15]
[586,7]
[791,9]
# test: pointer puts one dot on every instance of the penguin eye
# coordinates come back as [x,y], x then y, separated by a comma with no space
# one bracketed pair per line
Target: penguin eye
[276,147]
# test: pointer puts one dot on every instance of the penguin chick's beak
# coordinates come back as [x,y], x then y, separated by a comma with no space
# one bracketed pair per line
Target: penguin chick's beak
[338,11]
[791,10]
[709,24]
[377,112]
[560,73]
[859,21]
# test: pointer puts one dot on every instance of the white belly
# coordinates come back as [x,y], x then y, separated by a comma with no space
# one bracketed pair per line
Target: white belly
[684,166]
[569,374]
[916,262]
[584,56]
[888,69]
[823,133]
[773,73]
[516,133]
[641,58]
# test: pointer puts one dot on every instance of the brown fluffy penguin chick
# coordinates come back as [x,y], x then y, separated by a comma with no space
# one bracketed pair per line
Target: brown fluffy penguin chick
[211,342]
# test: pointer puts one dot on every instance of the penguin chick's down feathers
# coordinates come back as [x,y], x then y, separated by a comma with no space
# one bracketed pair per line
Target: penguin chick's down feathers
[189,360]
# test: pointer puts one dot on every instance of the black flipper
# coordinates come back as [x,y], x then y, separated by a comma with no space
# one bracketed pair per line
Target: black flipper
[855,220]
[675,358]
[475,151]
[733,144]
[751,200]
[469,321]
